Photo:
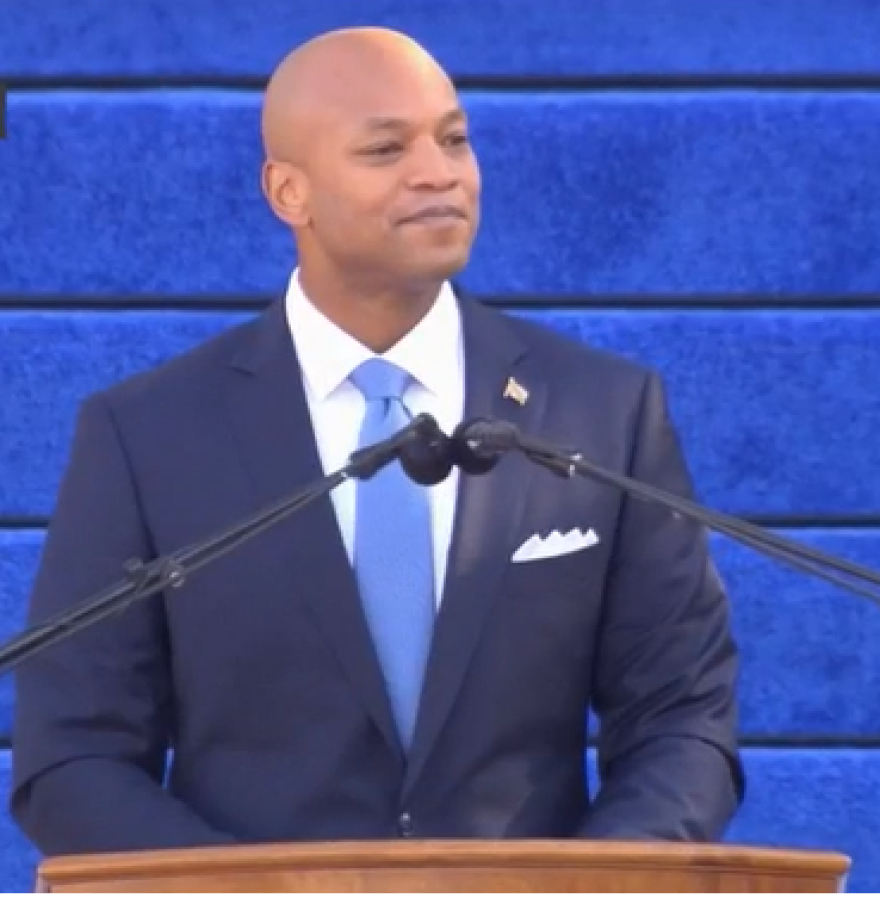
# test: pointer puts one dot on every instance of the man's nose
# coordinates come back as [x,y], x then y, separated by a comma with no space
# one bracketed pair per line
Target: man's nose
[432,167]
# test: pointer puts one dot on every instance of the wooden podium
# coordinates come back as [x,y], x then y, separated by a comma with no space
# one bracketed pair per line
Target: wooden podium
[452,866]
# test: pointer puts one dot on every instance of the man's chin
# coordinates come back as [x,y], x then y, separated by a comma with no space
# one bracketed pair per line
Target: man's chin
[437,263]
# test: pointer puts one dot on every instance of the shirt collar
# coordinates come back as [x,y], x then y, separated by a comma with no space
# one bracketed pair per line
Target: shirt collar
[430,352]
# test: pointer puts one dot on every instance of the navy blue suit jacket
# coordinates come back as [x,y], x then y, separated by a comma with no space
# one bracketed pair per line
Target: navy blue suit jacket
[260,674]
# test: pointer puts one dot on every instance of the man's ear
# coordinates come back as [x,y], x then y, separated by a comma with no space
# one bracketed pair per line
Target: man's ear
[286,190]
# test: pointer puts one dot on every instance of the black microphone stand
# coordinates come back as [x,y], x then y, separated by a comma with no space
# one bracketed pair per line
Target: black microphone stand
[170,571]
[497,437]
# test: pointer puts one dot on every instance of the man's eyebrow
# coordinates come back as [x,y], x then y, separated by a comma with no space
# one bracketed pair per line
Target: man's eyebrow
[454,115]
[391,123]
[385,123]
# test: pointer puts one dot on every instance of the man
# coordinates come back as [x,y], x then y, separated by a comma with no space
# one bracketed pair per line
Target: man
[391,661]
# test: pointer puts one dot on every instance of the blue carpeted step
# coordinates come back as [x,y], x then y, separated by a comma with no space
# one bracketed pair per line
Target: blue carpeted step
[797,679]
[672,193]
[775,408]
[806,647]
[550,37]
[18,858]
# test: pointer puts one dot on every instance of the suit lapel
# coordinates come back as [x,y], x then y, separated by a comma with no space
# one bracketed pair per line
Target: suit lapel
[271,420]
[488,510]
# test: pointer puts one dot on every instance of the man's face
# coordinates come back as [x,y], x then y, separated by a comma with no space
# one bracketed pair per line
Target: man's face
[393,183]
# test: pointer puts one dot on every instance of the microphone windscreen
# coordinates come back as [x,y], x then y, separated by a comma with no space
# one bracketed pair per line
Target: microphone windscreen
[427,459]
[469,454]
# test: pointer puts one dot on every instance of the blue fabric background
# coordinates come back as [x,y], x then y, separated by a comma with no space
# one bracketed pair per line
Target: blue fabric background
[543,37]
[618,193]
[721,227]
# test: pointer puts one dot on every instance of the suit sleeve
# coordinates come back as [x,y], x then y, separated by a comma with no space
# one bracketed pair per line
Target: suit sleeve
[94,711]
[665,676]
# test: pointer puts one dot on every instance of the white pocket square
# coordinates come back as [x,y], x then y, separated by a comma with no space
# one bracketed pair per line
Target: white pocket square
[537,547]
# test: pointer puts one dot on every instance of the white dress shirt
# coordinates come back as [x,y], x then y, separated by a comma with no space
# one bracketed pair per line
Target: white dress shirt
[432,353]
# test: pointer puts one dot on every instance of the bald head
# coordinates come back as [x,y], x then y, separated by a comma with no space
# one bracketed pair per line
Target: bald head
[368,159]
[338,74]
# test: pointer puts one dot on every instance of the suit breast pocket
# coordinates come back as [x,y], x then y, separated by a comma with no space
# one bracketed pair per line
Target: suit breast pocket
[548,613]
[581,569]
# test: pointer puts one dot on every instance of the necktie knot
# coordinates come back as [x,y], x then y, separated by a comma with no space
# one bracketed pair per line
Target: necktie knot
[378,379]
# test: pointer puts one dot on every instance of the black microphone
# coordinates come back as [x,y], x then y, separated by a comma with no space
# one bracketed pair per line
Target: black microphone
[484,441]
[473,456]
[170,571]
[429,459]
[480,444]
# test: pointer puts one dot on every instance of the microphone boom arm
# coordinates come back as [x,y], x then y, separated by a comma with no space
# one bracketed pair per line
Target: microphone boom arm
[499,437]
[170,571]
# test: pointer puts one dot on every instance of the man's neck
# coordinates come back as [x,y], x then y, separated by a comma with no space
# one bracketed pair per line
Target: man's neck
[376,316]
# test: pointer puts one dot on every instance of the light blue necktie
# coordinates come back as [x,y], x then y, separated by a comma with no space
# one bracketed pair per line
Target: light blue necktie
[393,557]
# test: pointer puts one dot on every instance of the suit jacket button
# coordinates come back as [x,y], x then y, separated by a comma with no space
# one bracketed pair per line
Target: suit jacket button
[405,825]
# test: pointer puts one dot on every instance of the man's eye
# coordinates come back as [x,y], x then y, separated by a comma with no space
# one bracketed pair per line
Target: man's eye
[384,149]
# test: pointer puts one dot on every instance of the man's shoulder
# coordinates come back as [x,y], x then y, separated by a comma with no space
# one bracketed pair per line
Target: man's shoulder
[566,353]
